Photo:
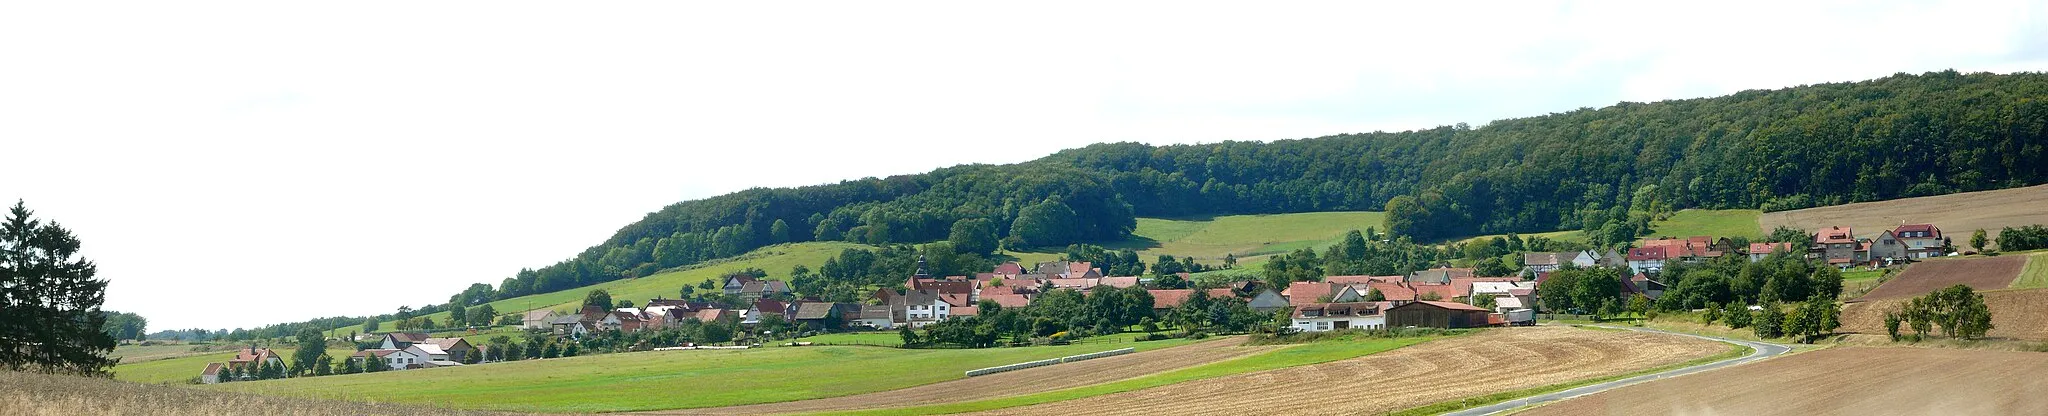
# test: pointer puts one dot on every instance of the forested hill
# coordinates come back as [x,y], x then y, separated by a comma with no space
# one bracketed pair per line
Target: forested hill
[1900,136]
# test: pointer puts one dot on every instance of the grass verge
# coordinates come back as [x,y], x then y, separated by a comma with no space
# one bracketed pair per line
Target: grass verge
[1299,355]
[1734,351]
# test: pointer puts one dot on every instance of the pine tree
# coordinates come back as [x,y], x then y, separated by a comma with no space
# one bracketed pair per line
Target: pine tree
[50,318]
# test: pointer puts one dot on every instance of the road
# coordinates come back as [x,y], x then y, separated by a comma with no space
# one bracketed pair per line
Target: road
[1762,350]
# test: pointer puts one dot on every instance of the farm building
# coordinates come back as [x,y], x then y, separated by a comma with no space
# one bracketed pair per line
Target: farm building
[1433,314]
[212,373]
[537,319]
[1338,316]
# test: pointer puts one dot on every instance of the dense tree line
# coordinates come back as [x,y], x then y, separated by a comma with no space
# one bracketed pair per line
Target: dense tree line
[50,318]
[1357,254]
[1899,136]
[2032,237]
[1734,280]
[124,325]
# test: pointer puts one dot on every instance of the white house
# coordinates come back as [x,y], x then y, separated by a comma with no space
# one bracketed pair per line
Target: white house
[426,352]
[538,319]
[919,308]
[1586,259]
[1336,316]
[393,359]
[876,316]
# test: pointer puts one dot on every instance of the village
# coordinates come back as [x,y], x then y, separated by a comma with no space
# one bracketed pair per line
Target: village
[1440,297]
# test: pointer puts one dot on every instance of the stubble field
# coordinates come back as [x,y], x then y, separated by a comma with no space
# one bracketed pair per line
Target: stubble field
[1494,361]
[1988,273]
[2017,314]
[1956,214]
[1840,381]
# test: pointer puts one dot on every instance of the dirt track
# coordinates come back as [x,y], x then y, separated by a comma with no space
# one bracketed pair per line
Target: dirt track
[1925,277]
[1495,361]
[1840,381]
[1956,214]
[1027,381]
[2021,314]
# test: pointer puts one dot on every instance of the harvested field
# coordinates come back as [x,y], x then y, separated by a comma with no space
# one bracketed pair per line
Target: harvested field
[1497,360]
[1020,382]
[1840,381]
[1956,214]
[2017,314]
[1925,277]
[41,394]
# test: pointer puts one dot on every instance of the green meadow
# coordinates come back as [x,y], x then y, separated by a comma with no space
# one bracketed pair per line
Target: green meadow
[669,379]
[1709,222]
[187,368]
[1251,238]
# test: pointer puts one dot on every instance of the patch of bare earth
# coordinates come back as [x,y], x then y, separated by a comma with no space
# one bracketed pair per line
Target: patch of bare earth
[1986,273]
[1013,383]
[2017,314]
[1497,360]
[1840,381]
[1956,214]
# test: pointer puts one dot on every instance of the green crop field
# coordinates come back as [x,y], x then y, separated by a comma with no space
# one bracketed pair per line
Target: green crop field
[880,338]
[1713,223]
[2035,275]
[777,260]
[183,369]
[669,379]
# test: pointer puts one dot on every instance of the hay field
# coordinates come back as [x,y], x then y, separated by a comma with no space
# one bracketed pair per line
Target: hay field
[1956,214]
[1840,381]
[1498,360]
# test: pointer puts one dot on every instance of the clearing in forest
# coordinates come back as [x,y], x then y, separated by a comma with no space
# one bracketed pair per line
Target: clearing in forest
[1497,360]
[1839,381]
[1986,273]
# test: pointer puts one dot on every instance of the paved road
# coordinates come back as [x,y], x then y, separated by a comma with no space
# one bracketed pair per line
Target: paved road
[1762,350]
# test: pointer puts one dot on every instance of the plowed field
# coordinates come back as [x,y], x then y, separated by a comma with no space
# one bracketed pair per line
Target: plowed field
[2021,314]
[1840,381]
[1928,276]
[1494,361]
[1027,381]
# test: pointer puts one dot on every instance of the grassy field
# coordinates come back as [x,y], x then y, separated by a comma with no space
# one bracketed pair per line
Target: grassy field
[141,353]
[882,338]
[2035,275]
[1567,235]
[1298,355]
[668,379]
[183,369]
[1713,223]
[777,260]
[1855,275]
[1249,237]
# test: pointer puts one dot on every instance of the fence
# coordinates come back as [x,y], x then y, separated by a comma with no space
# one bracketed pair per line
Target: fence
[1049,361]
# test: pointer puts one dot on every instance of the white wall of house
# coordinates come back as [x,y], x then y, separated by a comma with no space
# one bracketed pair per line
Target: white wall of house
[1326,323]
[877,323]
[1650,265]
[399,359]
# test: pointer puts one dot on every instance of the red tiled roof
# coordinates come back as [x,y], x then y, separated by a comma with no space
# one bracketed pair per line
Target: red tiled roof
[1359,280]
[1768,248]
[1647,253]
[1835,235]
[1169,298]
[1007,300]
[965,311]
[1119,282]
[1009,268]
[958,300]
[1393,290]
[1303,293]
[1925,228]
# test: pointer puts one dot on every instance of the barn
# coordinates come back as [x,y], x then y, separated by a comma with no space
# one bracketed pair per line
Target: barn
[1433,314]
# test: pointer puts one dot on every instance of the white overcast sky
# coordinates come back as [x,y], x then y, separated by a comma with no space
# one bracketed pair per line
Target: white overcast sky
[240,164]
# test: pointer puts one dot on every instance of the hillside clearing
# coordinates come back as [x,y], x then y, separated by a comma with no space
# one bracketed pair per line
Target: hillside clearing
[1956,214]
[652,380]
[1709,222]
[1841,380]
[1496,360]
[1251,238]
[1982,273]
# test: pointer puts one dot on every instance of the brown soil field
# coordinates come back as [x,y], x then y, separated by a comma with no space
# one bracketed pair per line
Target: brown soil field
[2017,314]
[28,394]
[1839,381]
[1013,383]
[1985,273]
[1497,360]
[1956,214]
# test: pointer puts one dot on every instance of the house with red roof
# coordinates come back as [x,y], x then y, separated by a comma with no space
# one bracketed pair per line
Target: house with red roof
[1434,314]
[1319,317]
[1758,251]
[1165,299]
[1922,240]
[1837,245]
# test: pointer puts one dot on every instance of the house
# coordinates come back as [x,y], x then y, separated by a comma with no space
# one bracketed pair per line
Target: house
[1690,249]
[1439,276]
[918,308]
[253,356]
[535,320]
[1758,251]
[1519,298]
[709,315]
[1320,317]
[1838,246]
[1496,289]
[874,316]
[759,289]
[1586,259]
[1120,282]
[1642,285]
[1922,240]
[1303,293]
[400,340]
[212,373]
[1543,262]
[1432,314]
[622,319]
[736,283]
[1887,247]
[1009,300]
[404,359]
[1009,268]
[458,349]
[1267,300]
[765,308]
[1647,259]
[1398,292]
[426,352]
[573,325]
[1613,258]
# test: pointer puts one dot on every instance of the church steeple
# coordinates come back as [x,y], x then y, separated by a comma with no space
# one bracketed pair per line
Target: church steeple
[921,271]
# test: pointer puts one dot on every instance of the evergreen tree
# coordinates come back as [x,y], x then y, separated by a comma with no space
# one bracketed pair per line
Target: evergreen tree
[50,318]
[311,347]
[325,366]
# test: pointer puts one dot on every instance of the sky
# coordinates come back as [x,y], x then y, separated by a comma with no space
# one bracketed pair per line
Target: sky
[242,164]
